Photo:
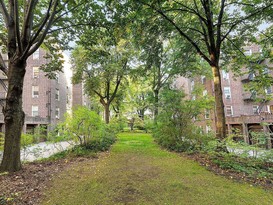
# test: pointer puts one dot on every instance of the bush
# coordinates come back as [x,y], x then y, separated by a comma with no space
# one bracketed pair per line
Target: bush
[2,138]
[174,129]
[181,137]
[86,127]
[100,144]
[26,139]
[82,125]
[257,168]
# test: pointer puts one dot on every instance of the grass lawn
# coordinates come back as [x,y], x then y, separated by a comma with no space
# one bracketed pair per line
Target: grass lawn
[137,171]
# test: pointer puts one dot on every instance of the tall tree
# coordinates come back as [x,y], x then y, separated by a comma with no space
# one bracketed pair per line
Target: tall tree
[24,27]
[105,56]
[102,68]
[206,24]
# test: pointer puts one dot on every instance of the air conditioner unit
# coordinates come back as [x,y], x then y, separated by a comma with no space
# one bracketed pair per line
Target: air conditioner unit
[228,96]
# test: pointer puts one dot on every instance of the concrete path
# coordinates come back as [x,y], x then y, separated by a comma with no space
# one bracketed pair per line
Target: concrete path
[43,150]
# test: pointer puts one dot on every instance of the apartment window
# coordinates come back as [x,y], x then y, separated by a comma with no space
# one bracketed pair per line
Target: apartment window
[57,96]
[268,90]
[265,71]
[58,78]
[248,52]
[36,55]
[251,75]
[36,71]
[227,92]
[35,91]
[192,85]
[208,128]
[205,92]
[57,113]
[203,79]
[225,75]
[35,111]
[255,109]
[207,114]
[229,110]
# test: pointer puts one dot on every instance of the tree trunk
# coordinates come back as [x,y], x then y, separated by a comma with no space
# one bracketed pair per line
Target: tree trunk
[220,120]
[156,96]
[14,117]
[107,113]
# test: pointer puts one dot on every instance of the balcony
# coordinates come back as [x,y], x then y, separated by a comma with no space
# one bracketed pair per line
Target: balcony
[247,77]
[30,120]
[249,97]
[3,95]
[263,117]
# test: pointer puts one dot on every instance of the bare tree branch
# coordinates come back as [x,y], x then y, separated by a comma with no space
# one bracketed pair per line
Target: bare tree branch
[45,31]
[28,22]
[3,66]
[245,18]
[4,12]
[17,29]
[180,32]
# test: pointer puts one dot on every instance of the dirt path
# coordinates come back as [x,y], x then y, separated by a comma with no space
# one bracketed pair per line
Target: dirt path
[138,172]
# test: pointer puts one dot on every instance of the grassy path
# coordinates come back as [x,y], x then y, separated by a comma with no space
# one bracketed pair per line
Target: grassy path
[138,172]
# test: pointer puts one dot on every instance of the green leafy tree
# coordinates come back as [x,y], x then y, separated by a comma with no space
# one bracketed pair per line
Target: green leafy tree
[205,25]
[175,129]
[24,25]
[82,125]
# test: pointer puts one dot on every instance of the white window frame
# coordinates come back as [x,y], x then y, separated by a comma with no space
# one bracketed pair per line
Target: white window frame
[192,85]
[227,92]
[58,78]
[203,79]
[35,110]
[57,95]
[255,109]
[225,75]
[35,72]
[229,107]
[36,55]
[267,89]
[207,114]
[57,113]
[248,52]
[35,90]
[205,92]
[208,129]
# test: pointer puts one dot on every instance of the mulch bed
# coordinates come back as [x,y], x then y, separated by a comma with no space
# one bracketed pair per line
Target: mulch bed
[27,186]
[205,161]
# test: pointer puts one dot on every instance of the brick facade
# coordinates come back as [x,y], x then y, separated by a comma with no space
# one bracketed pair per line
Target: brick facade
[242,111]
[44,97]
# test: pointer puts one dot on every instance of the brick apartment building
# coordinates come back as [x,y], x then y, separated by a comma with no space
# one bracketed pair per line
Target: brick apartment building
[243,112]
[44,99]
[78,96]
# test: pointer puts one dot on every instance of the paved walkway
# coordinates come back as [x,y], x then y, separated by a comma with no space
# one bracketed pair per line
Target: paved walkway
[42,150]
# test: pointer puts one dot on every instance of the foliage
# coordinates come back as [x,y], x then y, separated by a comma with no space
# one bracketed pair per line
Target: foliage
[26,139]
[2,137]
[81,125]
[86,127]
[257,168]
[137,165]
[174,129]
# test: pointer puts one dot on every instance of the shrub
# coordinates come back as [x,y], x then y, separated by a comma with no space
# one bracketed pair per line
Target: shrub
[174,129]
[87,128]
[82,125]
[2,138]
[26,139]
